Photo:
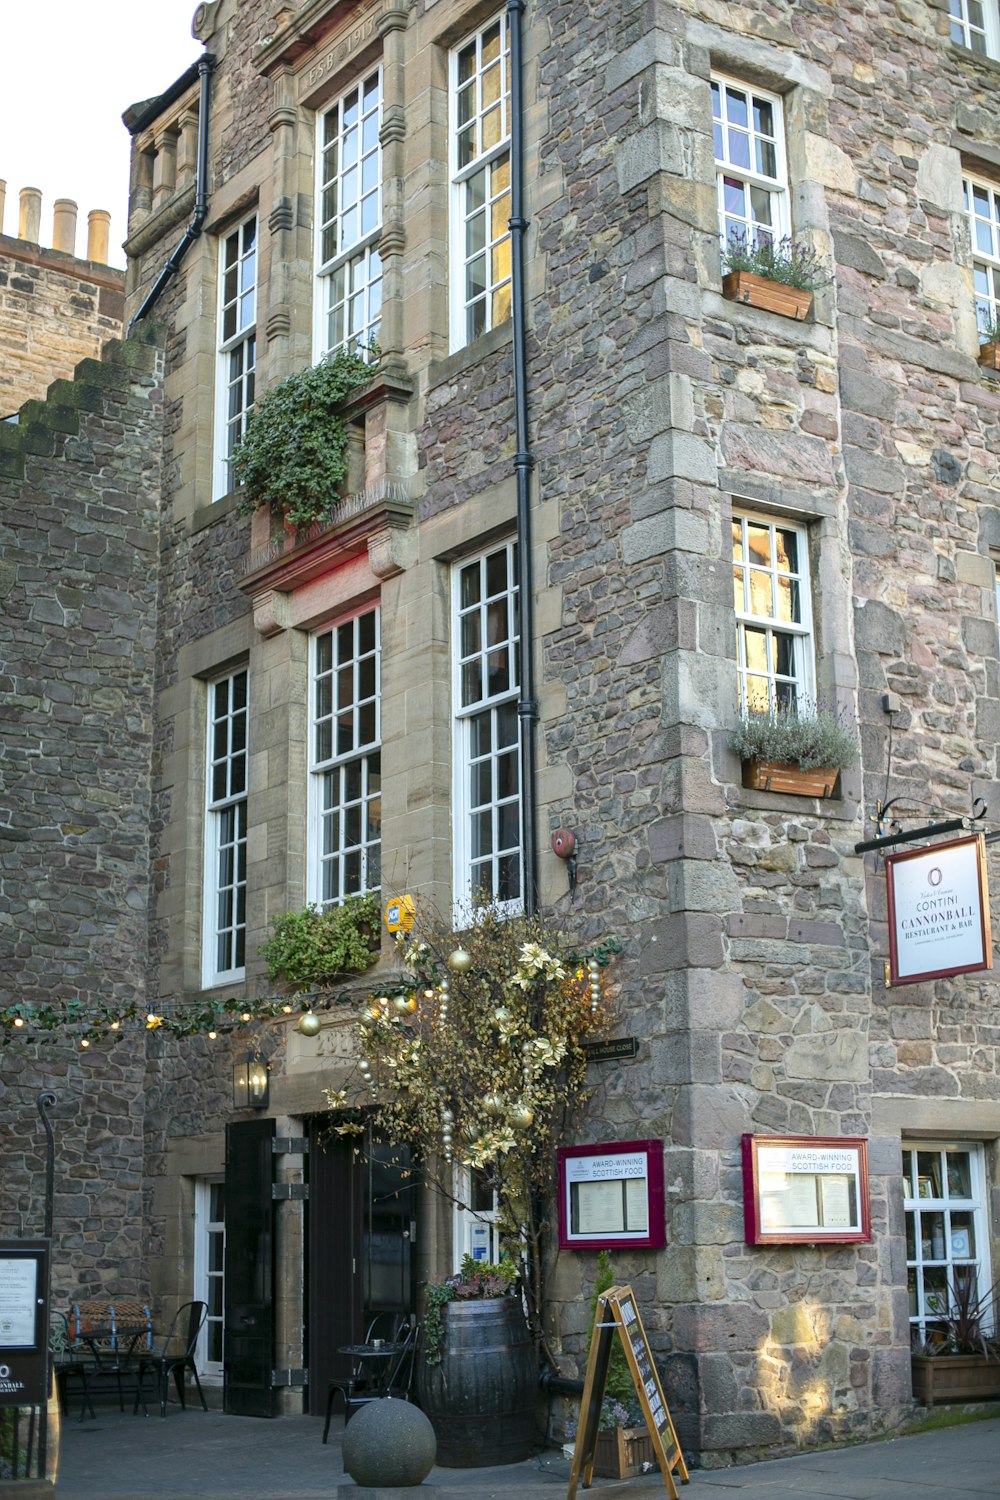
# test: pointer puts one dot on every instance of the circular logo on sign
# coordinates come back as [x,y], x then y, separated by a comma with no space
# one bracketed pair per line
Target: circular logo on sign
[934,876]
[4,1372]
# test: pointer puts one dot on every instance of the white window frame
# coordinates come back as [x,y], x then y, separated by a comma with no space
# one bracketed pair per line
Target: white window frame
[479,172]
[936,1233]
[236,362]
[328,881]
[205,1228]
[982,40]
[757,183]
[475,1232]
[228,758]
[798,683]
[348,299]
[984,239]
[470,710]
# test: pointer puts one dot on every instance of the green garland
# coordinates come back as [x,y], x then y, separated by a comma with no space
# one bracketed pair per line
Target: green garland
[104,1021]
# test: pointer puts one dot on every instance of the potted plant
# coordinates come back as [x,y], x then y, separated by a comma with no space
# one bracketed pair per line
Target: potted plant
[799,748]
[293,456]
[989,341]
[778,275]
[314,948]
[624,1446]
[478,1377]
[960,1361]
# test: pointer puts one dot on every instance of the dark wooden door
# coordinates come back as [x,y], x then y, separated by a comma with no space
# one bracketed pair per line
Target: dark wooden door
[359,1249]
[249,1278]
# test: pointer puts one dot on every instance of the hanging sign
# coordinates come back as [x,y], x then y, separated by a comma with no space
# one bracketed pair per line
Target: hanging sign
[805,1190]
[611,1196]
[618,1316]
[939,911]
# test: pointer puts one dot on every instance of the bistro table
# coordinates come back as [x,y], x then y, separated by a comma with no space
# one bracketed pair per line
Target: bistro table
[380,1352]
[114,1352]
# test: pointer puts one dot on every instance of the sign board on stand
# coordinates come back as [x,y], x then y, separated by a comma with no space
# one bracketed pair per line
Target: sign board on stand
[24,1322]
[617,1315]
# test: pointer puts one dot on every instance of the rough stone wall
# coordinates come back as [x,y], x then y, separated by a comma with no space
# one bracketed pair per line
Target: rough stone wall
[79,490]
[54,311]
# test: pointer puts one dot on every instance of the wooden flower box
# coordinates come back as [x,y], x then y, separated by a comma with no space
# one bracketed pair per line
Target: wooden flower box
[785,776]
[621,1452]
[954,1377]
[989,355]
[773,296]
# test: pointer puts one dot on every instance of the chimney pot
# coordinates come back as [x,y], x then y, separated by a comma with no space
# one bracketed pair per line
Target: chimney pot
[64,226]
[98,235]
[30,226]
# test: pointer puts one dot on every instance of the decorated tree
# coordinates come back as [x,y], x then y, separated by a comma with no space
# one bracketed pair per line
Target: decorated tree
[475,1059]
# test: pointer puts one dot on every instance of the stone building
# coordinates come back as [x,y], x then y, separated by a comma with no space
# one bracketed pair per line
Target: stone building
[54,309]
[724,504]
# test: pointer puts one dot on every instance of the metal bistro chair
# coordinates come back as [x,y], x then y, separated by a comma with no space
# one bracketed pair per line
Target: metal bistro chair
[359,1381]
[399,1377]
[174,1355]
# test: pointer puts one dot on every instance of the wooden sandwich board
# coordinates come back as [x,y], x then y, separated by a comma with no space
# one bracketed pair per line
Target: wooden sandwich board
[617,1314]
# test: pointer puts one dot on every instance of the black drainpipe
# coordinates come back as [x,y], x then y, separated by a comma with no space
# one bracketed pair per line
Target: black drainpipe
[205,65]
[527,706]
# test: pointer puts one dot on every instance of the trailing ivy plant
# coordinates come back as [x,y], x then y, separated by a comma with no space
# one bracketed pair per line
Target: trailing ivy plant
[315,947]
[293,456]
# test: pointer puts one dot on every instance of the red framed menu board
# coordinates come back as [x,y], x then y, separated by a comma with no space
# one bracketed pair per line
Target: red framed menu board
[611,1196]
[806,1190]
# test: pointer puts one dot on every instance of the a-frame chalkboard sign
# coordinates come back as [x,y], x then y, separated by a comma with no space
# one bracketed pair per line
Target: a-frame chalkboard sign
[617,1314]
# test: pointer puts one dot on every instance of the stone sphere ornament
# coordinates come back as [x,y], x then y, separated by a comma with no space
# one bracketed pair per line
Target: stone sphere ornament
[309,1024]
[460,962]
[389,1442]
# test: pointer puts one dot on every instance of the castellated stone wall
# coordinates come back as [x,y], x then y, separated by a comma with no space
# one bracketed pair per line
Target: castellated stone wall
[55,310]
[79,499]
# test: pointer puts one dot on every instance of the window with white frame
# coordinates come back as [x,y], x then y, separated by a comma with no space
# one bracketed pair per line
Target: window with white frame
[982,204]
[209,1272]
[476,1220]
[487,821]
[774,644]
[947,1239]
[226,831]
[237,360]
[975,25]
[346,764]
[480,178]
[750,171]
[349,194]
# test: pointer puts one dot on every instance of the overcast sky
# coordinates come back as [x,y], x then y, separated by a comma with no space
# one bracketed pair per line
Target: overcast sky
[70,68]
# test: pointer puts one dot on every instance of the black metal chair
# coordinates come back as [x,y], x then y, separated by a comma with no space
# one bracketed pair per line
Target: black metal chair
[358,1382]
[175,1354]
[398,1380]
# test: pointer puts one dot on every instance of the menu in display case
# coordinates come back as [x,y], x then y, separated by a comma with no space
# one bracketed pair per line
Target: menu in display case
[805,1190]
[611,1196]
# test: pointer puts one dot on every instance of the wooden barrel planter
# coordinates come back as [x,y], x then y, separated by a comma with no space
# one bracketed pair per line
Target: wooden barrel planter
[481,1397]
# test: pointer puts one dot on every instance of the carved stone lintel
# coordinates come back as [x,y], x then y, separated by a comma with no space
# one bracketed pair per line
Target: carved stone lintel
[203,23]
[394,18]
[279,323]
[390,551]
[393,124]
[392,240]
[272,612]
[284,115]
[282,216]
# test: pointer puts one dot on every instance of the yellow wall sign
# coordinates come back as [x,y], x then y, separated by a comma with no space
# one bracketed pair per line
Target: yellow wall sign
[400,914]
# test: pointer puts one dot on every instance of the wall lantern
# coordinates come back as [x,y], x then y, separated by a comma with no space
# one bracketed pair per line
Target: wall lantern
[250,1082]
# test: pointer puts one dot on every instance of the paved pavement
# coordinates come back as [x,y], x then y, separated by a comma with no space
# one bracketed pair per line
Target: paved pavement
[196,1455]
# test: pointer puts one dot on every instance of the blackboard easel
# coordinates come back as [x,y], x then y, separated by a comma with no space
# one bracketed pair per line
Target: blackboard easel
[617,1313]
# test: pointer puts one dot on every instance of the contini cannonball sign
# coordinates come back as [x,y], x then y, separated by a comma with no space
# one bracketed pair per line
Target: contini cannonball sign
[939,911]
[23,1321]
